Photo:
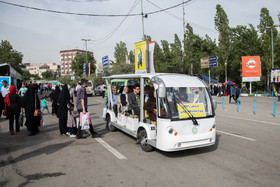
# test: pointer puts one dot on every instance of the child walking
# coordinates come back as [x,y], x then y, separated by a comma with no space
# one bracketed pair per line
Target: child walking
[44,104]
[71,121]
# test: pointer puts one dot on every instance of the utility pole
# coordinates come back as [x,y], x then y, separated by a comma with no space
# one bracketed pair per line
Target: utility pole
[184,24]
[142,19]
[86,40]
[184,27]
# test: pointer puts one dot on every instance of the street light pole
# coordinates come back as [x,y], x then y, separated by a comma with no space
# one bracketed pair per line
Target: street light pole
[86,40]
[142,19]
[272,64]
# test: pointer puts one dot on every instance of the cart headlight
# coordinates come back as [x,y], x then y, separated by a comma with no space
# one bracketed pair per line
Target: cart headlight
[170,130]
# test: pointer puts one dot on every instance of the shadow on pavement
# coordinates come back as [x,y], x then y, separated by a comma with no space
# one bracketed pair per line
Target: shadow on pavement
[92,104]
[21,140]
[50,149]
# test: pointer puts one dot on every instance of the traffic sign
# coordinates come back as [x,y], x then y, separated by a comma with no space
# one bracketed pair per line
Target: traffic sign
[204,62]
[213,61]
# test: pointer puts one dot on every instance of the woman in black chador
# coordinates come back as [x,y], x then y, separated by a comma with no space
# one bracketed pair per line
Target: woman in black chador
[63,101]
[32,122]
[54,98]
[13,102]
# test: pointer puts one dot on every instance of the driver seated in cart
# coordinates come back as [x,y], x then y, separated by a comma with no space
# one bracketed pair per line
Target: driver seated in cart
[151,107]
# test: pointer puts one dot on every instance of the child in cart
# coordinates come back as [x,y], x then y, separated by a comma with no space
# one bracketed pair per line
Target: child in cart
[71,121]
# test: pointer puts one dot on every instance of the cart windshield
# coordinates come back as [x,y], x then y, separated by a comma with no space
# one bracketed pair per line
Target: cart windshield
[186,101]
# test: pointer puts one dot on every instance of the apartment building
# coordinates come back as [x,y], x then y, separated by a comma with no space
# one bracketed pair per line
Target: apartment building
[40,68]
[66,58]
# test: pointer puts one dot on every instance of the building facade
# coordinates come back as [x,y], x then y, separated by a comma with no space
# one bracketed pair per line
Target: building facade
[40,68]
[66,58]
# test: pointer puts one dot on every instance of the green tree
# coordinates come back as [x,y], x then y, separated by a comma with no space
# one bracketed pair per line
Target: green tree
[65,79]
[158,58]
[265,26]
[8,54]
[47,75]
[177,54]
[192,51]
[147,38]
[131,57]
[78,62]
[124,68]
[120,53]
[222,25]
[98,80]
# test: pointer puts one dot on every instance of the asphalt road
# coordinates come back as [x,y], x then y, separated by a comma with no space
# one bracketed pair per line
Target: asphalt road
[246,154]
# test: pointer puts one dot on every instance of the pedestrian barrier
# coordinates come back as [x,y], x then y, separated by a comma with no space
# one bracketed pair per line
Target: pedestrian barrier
[255,103]
[264,93]
[237,104]
[223,103]
[274,110]
[272,93]
[257,93]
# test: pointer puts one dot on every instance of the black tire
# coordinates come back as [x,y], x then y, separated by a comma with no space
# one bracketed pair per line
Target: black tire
[143,141]
[109,125]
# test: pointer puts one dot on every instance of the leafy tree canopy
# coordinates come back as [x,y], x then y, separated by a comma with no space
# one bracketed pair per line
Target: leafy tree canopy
[78,62]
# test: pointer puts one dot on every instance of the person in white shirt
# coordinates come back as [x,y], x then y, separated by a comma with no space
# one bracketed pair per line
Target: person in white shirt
[5,88]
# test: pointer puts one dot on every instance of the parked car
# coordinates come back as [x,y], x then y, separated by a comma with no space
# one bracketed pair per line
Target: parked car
[98,90]
[89,88]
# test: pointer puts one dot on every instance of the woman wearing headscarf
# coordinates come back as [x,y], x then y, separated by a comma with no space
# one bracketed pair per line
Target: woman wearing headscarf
[32,122]
[1,104]
[54,98]
[13,103]
[63,101]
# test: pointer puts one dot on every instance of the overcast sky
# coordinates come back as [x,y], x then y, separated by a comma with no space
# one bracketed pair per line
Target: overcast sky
[41,35]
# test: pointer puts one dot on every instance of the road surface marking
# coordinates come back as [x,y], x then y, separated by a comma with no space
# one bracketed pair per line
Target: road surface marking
[111,149]
[100,101]
[238,136]
[270,123]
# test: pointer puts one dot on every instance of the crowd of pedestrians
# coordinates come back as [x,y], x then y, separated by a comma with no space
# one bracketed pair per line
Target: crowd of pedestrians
[26,100]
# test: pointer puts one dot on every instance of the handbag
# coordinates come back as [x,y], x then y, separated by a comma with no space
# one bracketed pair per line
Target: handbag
[42,121]
[20,120]
[85,121]
[37,112]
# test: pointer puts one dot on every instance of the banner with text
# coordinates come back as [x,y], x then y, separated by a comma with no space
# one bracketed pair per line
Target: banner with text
[251,68]
[196,109]
[140,57]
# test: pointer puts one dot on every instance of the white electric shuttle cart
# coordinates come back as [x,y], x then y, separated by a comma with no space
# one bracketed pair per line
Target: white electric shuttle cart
[188,120]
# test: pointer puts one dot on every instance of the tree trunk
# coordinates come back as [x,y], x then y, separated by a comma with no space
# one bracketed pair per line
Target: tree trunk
[226,61]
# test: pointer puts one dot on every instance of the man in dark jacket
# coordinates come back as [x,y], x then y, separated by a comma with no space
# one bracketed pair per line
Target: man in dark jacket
[134,100]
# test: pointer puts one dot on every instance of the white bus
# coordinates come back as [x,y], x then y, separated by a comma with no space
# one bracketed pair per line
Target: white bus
[188,121]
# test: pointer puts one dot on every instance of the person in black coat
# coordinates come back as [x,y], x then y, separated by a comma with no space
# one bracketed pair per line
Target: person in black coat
[134,100]
[14,104]
[63,101]
[54,98]
[1,104]
[32,122]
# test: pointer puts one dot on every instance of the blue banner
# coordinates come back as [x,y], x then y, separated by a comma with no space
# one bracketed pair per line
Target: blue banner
[105,63]
[84,68]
